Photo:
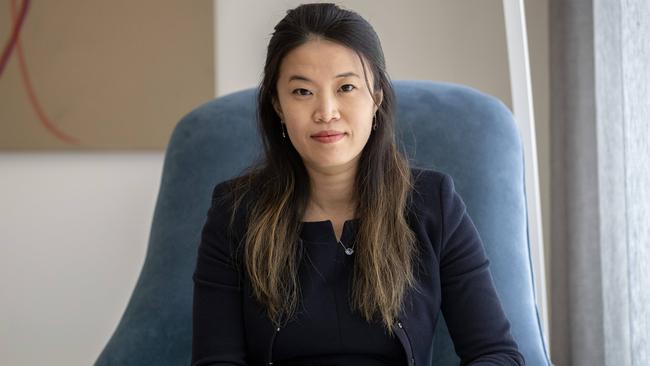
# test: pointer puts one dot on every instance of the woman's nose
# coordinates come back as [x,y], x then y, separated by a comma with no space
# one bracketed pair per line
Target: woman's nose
[327,109]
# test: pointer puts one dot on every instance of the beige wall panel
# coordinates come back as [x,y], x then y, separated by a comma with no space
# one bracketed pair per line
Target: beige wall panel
[111,74]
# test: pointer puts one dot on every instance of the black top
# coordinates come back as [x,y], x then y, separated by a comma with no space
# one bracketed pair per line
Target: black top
[231,328]
[326,331]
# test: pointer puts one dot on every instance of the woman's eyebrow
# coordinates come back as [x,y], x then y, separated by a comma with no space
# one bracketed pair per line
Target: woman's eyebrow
[302,78]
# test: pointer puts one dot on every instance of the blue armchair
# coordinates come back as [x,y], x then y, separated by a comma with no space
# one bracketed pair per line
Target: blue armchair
[450,128]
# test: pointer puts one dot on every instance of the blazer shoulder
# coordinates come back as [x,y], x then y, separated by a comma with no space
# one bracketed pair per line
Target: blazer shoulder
[425,200]
[429,174]
[225,199]
[434,193]
[222,189]
[428,181]
[226,191]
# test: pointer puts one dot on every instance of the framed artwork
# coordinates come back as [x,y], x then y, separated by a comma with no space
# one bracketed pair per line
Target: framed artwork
[97,75]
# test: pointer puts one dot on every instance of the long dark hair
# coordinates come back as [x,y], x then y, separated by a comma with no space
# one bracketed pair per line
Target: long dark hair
[385,246]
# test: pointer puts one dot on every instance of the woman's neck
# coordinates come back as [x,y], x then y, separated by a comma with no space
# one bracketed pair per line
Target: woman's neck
[332,193]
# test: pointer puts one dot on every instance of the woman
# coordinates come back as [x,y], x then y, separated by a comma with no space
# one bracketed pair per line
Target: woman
[332,250]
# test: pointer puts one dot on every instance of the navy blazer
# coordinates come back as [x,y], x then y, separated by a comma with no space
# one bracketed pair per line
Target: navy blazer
[231,328]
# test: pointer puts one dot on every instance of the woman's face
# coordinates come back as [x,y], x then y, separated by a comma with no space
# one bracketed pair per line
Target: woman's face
[325,104]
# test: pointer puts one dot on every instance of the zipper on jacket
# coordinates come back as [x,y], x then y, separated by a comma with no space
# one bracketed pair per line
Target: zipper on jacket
[270,358]
[408,339]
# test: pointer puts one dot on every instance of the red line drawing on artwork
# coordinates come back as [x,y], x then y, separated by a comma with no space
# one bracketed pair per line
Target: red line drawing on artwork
[14,41]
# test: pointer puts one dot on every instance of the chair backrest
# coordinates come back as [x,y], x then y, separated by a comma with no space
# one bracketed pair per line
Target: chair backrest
[451,128]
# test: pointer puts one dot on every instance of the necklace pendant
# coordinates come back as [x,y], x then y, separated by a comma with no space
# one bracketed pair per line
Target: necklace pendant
[349,251]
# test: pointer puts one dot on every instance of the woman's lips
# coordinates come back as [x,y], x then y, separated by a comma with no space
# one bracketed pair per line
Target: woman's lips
[329,139]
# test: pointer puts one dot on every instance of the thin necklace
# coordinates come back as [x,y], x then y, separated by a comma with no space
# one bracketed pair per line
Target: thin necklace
[348,251]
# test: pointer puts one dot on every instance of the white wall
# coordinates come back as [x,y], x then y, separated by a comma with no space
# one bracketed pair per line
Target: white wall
[73,235]
[74,226]
[459,41]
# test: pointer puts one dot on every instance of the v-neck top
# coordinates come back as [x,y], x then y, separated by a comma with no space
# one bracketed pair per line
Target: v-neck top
[325,330]
[323,231]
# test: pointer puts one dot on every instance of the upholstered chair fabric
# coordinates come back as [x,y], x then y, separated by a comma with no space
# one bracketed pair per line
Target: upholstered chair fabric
[451,128]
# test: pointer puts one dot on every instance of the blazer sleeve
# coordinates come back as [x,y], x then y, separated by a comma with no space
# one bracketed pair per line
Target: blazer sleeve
[217,324]
[470,304]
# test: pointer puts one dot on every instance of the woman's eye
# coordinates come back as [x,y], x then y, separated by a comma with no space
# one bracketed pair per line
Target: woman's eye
[348,87]
[301,91]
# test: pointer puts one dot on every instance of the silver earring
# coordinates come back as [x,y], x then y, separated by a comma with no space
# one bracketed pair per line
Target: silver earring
[374,124]
[282,127]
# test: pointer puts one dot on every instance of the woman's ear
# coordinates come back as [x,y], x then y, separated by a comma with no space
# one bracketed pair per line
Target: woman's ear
[276,106]
[379,97]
